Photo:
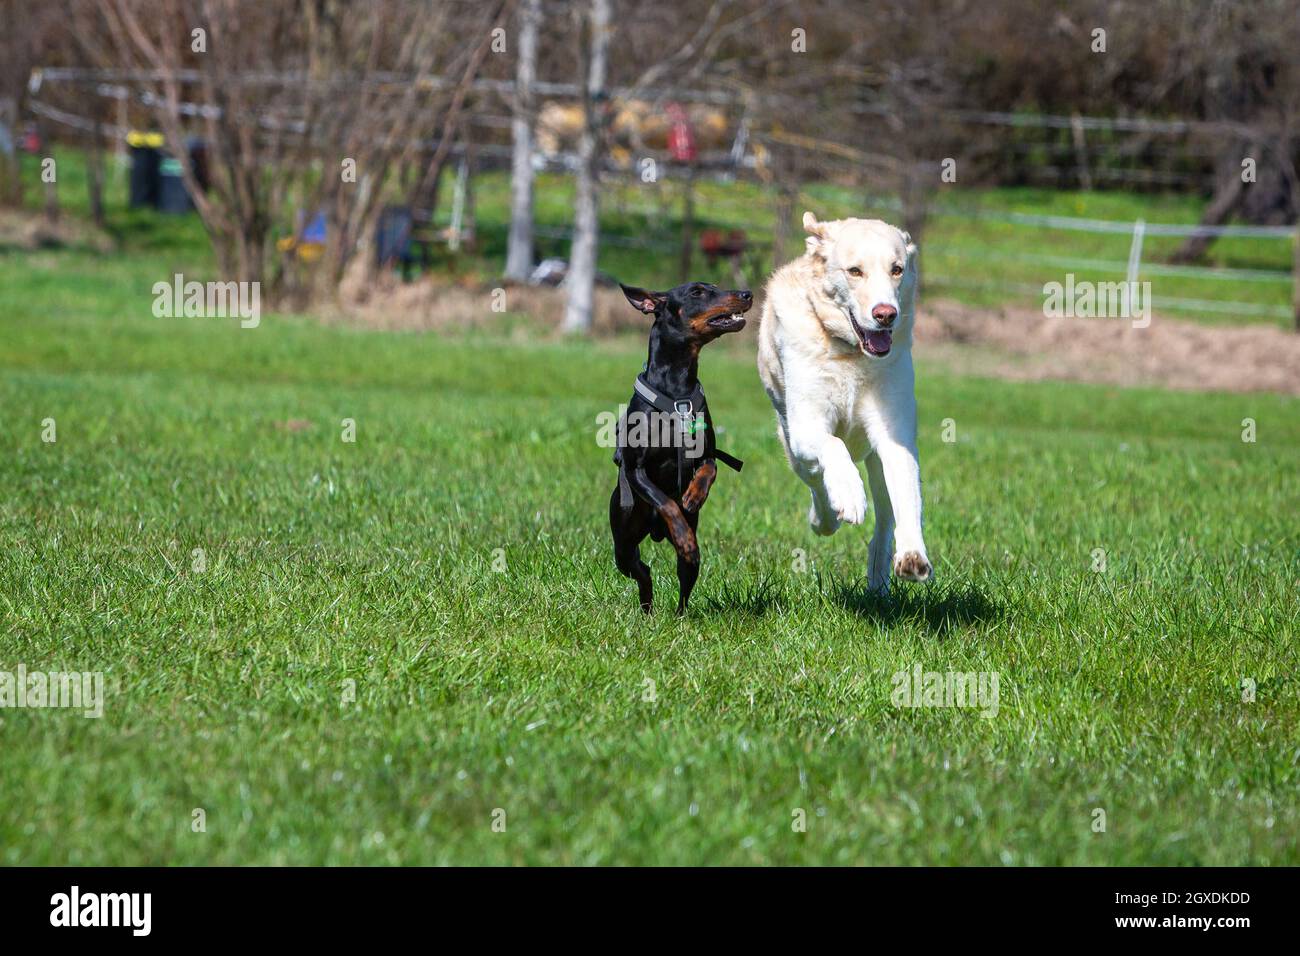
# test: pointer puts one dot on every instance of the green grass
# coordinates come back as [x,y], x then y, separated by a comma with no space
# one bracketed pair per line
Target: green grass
[967,254]
[373,562]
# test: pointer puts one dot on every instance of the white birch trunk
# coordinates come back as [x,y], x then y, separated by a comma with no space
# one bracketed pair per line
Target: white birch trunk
[581,278]
[519,249]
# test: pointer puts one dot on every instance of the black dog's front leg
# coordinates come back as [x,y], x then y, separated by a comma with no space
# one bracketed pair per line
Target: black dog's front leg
[697,492]
[680,533]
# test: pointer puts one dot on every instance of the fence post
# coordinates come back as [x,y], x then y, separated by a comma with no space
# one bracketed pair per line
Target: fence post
[458,205]
[1135,251]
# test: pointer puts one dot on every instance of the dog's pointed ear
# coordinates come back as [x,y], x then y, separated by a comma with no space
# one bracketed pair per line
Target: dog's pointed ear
[817,233]
[812,226]
[642,300]
[909,247]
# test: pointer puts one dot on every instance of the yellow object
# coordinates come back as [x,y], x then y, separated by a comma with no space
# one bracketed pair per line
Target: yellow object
[139,138]
[305,251]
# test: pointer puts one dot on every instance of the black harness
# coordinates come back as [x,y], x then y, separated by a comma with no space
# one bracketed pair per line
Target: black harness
[686,410]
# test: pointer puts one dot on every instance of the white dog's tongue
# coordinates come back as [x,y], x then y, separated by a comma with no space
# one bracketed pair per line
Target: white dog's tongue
[878,343]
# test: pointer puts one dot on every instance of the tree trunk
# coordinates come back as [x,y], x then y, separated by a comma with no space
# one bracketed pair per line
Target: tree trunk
[1295,279]
[11,183]
[1080,141]
[95,173]
[52,184]
[519,252]
[782,228]
[915,207]
[581,278]
[1228,194]
[52,201]
[688,225]
[249,248]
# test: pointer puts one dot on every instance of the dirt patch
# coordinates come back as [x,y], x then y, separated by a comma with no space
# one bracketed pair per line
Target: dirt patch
[1022,344]
[432,305]
[1011,343]
[21,230]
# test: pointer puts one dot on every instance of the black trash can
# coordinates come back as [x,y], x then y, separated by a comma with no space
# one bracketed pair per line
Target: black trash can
[172,195]
[145,179]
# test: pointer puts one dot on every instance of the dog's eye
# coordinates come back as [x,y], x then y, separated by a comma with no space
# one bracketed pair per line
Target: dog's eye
[896,271]
[855,272]
[697,293]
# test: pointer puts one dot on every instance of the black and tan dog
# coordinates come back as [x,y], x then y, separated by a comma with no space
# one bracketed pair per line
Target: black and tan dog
[667,456]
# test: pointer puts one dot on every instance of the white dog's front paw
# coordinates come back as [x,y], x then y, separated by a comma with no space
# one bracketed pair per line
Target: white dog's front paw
[847,497]
[912,566]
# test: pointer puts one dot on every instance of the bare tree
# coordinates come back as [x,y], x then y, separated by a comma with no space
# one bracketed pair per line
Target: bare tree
[581,278]
[385,134]
[314,101]
[1249,96]
[27,30]
[519,250]
[426,189]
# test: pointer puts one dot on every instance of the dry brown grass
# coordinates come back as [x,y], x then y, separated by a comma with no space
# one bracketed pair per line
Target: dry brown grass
[436,304]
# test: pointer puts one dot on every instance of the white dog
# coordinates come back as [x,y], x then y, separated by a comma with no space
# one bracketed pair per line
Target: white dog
[835,355]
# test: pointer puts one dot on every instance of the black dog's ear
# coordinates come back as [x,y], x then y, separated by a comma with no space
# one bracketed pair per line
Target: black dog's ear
[642,300]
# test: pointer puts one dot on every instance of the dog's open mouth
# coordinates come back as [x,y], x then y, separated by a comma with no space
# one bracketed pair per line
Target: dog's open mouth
[728,323]
[876,343]
[731,321]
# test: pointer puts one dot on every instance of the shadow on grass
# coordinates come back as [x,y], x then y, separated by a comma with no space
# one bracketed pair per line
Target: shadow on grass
[754,601]
[935,608]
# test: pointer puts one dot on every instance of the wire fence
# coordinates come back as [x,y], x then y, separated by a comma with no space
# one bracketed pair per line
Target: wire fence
[1135,269]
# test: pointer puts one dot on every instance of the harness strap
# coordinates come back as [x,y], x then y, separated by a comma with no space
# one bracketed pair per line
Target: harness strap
[695,400]
[731,461]
[624,489]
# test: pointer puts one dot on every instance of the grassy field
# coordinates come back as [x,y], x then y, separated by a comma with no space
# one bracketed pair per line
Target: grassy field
[452,566]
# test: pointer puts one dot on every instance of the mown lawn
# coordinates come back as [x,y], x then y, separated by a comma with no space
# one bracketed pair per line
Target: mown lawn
[377,565]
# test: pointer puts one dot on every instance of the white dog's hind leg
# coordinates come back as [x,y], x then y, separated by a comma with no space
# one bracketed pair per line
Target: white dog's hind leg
[881,552]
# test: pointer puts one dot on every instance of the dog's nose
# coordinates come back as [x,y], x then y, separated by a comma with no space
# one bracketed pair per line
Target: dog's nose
[746,296]
[884,314]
